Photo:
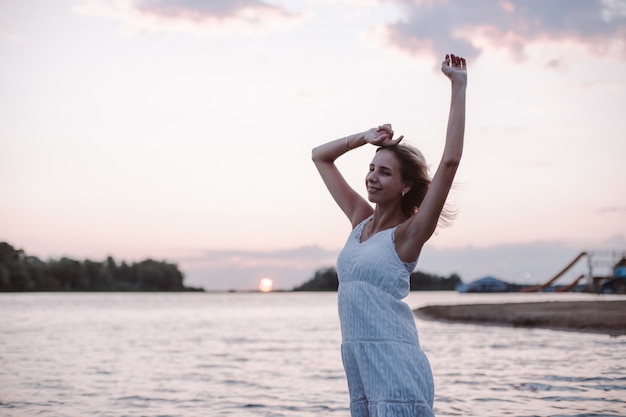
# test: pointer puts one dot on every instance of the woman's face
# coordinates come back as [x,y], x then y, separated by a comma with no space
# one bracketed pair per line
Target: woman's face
[383,181]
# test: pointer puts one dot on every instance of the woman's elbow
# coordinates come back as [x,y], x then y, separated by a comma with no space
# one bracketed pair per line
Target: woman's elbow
[451,162]
[316,154]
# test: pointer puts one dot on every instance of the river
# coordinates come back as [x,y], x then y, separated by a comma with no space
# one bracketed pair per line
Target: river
[277,354]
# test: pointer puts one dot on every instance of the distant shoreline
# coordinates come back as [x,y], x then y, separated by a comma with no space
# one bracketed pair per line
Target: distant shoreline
[606,317]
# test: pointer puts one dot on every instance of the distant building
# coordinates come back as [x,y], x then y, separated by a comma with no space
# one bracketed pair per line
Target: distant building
[486,284]
[617,283]
[619,270]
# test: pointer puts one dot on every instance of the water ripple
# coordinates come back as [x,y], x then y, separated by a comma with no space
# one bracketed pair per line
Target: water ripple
[273,355]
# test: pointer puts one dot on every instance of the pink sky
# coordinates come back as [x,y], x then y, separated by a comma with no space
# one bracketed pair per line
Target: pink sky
[182,130]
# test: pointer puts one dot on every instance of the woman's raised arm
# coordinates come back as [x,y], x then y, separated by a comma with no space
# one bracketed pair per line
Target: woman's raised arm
[355,207]
[412,235]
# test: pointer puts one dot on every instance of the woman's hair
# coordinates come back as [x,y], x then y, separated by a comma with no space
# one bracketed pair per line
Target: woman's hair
[414,171]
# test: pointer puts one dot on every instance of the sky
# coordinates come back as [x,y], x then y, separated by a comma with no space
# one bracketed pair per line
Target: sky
[181,130]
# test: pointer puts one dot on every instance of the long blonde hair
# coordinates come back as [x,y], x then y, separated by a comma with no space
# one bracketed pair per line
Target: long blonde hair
[414,171]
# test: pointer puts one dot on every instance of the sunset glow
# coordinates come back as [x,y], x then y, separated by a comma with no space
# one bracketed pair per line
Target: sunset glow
[150,131]
[266,285]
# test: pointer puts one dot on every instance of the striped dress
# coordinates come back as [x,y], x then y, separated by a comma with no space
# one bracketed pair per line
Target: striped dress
[388,374]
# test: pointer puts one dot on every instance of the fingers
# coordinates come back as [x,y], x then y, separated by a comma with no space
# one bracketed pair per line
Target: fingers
[455,61]
[386,129]
[385,136]
[459,61]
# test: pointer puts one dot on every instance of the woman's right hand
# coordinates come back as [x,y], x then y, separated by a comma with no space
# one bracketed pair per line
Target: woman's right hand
[381,136]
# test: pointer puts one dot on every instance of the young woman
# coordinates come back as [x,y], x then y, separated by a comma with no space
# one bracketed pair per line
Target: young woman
[388,374]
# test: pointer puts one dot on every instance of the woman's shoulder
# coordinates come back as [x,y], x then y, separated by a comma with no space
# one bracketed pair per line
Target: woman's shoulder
[361,217]
[407,248]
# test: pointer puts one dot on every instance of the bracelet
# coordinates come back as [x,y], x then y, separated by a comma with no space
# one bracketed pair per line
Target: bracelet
[347,144]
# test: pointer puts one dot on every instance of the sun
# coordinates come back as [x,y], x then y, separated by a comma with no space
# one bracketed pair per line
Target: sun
[266,285]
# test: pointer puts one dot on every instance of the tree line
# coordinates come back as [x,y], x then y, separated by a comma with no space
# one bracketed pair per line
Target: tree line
[325,279]
[21,272]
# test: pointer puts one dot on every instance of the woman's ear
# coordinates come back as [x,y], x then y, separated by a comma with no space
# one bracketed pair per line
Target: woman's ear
[406,188]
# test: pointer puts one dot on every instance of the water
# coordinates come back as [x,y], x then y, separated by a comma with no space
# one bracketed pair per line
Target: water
[251,354]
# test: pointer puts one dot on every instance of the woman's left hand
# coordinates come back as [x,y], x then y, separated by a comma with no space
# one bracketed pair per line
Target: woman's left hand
[455,68]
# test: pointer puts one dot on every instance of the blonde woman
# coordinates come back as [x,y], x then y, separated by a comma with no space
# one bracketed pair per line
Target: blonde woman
[388,374]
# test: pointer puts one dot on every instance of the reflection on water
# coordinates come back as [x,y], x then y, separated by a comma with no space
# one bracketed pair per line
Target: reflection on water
[277,354]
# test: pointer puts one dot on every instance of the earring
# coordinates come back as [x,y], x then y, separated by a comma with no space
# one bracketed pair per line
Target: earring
[403,193]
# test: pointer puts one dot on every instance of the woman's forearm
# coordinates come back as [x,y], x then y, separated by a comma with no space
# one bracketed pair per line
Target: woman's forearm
[332,150]
[456,124]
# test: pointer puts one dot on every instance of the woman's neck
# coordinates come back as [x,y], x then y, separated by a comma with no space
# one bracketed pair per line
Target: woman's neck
[386,218]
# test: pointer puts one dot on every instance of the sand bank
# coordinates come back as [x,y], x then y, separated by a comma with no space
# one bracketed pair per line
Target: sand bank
[607,317]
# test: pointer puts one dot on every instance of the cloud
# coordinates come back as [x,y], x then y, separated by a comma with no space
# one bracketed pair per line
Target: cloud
[202,9]
[193,16]
[613,209]
[434,27]
[530,263]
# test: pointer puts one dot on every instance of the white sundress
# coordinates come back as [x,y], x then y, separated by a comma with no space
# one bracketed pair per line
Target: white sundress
[388,374]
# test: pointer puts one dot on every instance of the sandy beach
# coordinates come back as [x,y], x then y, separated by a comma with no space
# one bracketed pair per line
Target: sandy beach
[608,317]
